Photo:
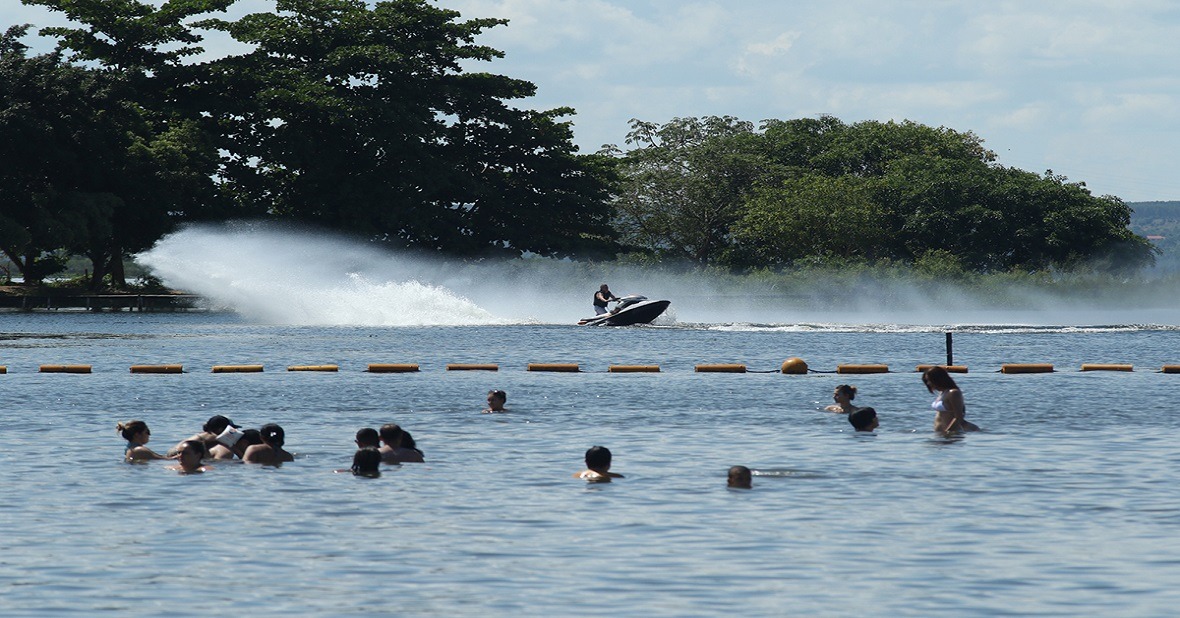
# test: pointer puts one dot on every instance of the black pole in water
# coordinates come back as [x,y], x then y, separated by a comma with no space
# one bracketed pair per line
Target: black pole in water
[950,355]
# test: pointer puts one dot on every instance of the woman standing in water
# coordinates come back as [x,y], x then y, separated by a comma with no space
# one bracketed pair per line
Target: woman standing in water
[137,434]
[949,409]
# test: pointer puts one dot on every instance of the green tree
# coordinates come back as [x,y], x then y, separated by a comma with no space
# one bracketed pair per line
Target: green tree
[684,184]
[360,118]
[157,165]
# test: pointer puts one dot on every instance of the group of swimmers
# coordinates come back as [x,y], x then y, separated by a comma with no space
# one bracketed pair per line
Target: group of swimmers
[949,409]
[220,438]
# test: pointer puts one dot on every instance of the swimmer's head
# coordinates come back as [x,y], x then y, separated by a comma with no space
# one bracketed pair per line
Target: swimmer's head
[394,436]
[936,378]
[191,453]
[845,390]
[130,429]
[598,458]
[217,424]
[367,462]
[367,437]
[864,419]
[272,435]
[740,477]
[497,398]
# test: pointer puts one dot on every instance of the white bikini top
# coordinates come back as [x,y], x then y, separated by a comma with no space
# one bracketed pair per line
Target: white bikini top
[937,404]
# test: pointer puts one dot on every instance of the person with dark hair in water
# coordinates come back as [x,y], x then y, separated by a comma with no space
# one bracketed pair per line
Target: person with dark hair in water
[740,477]
[137,434]
[189,460]
[399,446]
[367,437]
[210,431]
[863,419]
[367,462]
[949,409]
[233,443]
[496,401]
[597,470]
[271,451]
[843,396]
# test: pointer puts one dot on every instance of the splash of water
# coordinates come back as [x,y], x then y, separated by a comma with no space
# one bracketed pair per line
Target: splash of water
[283,275]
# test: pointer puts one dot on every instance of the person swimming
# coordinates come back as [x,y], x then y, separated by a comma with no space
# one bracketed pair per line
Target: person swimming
[189,458]
[367,462]
[864,419]
[949,408]
[843,396]
[210,431]
[496,401]
[271,451]
[233,443]
[597,470]
[137,435]
[399,445]
[740,477]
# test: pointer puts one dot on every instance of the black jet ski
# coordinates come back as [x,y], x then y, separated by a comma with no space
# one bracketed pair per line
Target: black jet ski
[633,309]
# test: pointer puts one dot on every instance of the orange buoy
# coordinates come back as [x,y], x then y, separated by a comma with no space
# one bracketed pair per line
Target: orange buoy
[1170,369]
[237,368]
[862,369]
[157,369]
[730,368]
[1105,367]
[393,367]
[472,367]
[65,368]
[3,368]
[1026,368]
[559,367]
[949,368]
[314,368]
[794,366]
[634,369]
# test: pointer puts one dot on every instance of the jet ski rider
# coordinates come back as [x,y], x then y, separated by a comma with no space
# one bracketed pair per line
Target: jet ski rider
[601,298]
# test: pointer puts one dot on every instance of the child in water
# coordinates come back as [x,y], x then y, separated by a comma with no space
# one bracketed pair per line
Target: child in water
[189,457]
[496,401]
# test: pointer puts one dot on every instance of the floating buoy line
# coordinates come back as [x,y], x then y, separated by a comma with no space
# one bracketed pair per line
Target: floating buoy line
[791,366]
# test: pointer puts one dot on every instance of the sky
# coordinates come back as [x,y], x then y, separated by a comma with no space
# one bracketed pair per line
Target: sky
[1085,88]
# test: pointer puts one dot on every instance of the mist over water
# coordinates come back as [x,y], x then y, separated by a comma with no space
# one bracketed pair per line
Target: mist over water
[283,275]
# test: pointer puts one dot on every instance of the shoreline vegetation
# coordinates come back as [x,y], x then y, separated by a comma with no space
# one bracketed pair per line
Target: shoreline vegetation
[115,140]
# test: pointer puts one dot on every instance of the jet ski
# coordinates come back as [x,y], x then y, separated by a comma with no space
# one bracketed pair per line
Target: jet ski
[633,309]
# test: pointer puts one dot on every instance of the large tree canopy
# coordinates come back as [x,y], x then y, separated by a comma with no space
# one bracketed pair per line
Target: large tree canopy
[361,118]
[821,189]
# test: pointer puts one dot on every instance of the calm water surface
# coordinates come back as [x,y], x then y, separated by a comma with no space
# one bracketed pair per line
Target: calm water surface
[1067,504]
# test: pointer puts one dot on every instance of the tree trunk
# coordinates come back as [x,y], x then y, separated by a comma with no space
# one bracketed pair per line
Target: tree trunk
[99,262]
[118,275]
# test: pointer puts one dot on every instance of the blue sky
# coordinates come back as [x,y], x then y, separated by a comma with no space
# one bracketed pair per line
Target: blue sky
[1088,89]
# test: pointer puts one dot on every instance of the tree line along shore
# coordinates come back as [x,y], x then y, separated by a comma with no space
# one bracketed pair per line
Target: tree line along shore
[363,119]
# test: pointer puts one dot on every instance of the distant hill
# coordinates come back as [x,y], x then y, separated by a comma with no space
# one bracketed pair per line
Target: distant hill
[1160,221]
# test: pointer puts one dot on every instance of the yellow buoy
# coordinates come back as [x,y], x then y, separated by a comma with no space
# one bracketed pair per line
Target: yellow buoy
[237,368]
[393,367]
[794,366]
[1026,368]
[727,368]
[1105,367]
[157,369]
[634,369]
[314,368]
[473,367]
[862,369]
[65,368]
[949,368]
[559,367]
[1171,369]
[3,368]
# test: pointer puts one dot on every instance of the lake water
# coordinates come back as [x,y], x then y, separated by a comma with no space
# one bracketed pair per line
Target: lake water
[1067,504]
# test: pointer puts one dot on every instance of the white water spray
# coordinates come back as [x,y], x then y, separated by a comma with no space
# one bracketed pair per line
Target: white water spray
[283,275]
